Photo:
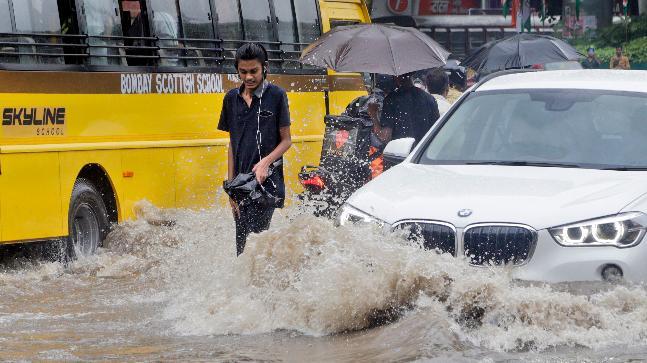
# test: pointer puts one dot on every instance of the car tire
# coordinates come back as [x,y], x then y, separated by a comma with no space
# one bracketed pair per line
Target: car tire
[88,223]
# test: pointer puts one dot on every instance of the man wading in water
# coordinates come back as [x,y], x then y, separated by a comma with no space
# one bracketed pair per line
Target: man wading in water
[257,117]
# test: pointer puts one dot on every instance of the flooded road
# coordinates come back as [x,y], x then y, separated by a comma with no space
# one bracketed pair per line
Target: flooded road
[304,291]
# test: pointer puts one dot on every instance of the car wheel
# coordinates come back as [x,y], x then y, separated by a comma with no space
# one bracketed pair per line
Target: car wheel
[88,222]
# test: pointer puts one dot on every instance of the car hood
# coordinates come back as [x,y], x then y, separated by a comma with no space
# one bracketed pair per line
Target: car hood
[540,197]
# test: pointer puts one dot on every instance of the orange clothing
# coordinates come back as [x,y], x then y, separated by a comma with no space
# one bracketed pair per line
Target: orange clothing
[377,165]
[621,62]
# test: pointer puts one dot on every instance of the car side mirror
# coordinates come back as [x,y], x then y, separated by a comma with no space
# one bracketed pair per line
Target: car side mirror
[397,150]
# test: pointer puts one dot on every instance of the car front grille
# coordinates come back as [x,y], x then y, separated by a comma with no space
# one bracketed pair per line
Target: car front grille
[498,244]
[432,235]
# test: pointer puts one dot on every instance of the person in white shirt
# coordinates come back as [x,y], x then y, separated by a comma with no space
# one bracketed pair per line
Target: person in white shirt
[437,83]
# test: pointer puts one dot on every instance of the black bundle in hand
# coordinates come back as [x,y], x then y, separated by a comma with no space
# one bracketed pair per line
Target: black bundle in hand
[244,189]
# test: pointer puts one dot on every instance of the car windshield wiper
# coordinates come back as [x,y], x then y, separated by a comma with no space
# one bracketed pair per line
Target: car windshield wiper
[524,163]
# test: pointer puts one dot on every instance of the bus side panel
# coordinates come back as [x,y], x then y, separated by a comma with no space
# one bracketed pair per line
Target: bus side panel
[307,111]
[300,154]
[148,174]
[342,11]
[199,175]
[71,164]
[31,196]
[340,99]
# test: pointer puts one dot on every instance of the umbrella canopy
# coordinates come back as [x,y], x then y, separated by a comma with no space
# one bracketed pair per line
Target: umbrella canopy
[520,51]
[375,48]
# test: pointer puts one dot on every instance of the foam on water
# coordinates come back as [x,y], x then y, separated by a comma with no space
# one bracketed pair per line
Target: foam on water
[307,276]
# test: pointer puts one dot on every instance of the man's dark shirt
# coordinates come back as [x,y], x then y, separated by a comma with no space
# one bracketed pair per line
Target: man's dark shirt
[241,122]
[590,63]
[409,112]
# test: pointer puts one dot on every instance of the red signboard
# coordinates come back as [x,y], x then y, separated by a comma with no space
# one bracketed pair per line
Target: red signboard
[398,6]
[446,7]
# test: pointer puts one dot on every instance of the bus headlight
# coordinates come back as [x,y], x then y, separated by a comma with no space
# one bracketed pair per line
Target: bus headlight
[622,230]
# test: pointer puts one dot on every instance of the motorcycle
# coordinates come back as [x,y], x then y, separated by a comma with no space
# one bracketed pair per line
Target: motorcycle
[344,165]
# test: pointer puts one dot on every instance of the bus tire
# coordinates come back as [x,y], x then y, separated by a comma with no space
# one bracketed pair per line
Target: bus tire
[88,223]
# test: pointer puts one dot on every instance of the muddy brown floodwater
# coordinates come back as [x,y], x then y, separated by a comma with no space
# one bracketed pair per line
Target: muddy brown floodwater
[305,291]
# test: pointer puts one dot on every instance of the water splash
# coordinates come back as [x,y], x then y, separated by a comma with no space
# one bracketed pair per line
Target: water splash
[305,275]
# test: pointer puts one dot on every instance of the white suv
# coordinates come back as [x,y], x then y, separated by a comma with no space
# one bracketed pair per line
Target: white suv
[546,171]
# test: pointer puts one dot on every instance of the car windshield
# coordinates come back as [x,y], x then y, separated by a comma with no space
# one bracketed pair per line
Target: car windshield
[565,128]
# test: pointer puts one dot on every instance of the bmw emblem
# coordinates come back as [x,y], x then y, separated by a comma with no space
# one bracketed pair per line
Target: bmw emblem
[464,212]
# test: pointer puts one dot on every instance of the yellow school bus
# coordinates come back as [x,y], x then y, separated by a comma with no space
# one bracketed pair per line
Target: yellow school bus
[108,102]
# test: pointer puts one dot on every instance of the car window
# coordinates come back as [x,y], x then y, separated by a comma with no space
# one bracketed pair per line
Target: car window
[587,128]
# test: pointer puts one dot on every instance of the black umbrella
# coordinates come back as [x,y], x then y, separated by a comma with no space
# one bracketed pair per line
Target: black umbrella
[519,51]
[375,48]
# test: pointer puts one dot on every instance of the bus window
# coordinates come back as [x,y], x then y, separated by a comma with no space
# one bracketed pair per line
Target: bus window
[196,24]
[32,16]
[229,30]
[5,17]
[257,25]
[342,22]
[166,27]
[307,20]
[308,24]
[5,27]
[100,21]
[287,33]
[256,20]
[135,27]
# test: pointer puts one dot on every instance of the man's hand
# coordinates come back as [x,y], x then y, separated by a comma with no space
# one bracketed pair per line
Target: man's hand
[234,208]
[261,170]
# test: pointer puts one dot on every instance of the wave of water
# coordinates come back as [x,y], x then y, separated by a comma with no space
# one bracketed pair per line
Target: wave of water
[306,276]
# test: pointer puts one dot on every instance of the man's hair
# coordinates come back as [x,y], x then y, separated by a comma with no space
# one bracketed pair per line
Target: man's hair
[437,81]
[250,51]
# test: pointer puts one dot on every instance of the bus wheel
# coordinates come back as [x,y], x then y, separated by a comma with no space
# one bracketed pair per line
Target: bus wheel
[87,219]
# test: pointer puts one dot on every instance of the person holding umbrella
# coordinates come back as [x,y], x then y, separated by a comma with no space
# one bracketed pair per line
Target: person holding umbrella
[407,112]
[388,50]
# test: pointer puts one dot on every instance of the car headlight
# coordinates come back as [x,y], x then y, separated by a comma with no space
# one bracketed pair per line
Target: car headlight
[350,215]
[622,230]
